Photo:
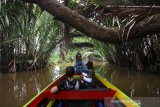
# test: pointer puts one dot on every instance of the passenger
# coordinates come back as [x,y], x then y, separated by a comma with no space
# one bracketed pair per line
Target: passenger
[78,58]
[81,68]
[91,69]
[91,73]
[79,65]
[68,83]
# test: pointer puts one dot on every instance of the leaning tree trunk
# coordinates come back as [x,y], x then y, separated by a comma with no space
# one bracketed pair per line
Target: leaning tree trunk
[92,29]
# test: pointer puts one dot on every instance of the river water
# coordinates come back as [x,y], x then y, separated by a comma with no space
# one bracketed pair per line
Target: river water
[18,88]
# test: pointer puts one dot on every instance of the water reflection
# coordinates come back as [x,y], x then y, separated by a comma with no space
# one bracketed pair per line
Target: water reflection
[18,88]
[56,72]
[133,83]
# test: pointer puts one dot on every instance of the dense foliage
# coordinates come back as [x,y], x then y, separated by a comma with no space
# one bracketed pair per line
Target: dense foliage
[30,37]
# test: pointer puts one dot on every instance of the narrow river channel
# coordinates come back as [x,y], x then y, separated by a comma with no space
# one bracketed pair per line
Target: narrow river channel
[18,88]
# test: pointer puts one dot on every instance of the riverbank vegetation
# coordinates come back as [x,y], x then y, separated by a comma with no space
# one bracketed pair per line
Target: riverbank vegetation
[35,34]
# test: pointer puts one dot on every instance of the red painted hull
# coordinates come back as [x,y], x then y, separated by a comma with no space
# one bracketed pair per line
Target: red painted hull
[84,94]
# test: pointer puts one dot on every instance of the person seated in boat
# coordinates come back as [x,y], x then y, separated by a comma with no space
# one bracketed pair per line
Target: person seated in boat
[81,69]
[79,65]
[68,83]
[91,69]
[91,73]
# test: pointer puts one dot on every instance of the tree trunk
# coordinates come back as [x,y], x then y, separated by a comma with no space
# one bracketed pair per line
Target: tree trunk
[92,29]
[66,32]
[67,37]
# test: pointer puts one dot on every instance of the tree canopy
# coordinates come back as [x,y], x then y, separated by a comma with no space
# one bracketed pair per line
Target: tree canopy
[125,32]
[131,22]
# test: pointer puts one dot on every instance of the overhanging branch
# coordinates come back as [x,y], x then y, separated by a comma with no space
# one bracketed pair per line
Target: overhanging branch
[92,29]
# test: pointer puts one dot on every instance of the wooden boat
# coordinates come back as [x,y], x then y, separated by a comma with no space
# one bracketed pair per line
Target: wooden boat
[106,94]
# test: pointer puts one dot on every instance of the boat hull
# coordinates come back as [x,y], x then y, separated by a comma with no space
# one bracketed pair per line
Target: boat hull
[106,92]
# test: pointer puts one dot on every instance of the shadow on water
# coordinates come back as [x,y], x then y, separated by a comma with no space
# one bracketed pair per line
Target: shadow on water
[133,83]
[18,88]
